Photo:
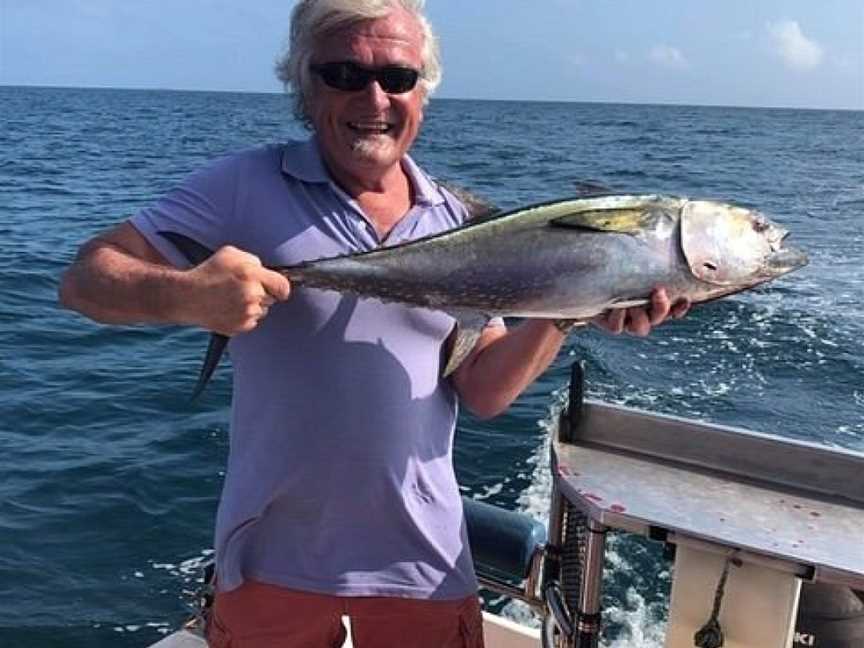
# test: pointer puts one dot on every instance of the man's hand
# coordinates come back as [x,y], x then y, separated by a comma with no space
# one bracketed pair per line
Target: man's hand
[231,292]
[640,320]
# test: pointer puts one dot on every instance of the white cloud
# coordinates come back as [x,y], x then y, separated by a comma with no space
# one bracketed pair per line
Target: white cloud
[667,56]
[794,48]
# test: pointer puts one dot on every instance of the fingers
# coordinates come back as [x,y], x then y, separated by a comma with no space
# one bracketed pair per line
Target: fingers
[274,288]
[611,321]
[275,284]
[640,321]
[234,292]
[660,306]
[264,289]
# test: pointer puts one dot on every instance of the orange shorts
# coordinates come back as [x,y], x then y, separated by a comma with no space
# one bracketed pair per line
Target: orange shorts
[257,615]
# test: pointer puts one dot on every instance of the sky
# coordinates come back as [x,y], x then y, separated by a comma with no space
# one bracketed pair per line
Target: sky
[793,53]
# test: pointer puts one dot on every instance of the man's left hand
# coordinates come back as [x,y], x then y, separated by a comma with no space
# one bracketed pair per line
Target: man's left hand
[640,320]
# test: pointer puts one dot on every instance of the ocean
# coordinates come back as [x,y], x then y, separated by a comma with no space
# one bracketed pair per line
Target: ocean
[109,477]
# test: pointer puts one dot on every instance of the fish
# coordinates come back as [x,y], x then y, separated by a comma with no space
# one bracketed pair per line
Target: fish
[575,259]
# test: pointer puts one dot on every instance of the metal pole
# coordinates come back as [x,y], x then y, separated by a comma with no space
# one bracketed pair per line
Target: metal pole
[552,573]
[591,591]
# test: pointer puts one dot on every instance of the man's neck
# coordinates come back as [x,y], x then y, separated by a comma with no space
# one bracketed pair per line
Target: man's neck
[384,198]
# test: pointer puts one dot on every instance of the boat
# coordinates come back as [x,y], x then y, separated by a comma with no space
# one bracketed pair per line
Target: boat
[766,534]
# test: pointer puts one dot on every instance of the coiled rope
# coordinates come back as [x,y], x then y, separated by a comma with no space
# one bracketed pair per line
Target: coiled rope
[710,635]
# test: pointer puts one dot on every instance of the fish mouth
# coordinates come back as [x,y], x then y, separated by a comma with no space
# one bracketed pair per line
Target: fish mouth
[786,259]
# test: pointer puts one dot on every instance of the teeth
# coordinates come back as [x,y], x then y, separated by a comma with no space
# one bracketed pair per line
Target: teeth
[377,127]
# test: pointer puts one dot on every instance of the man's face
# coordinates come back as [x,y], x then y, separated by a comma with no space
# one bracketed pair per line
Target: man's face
[365,133]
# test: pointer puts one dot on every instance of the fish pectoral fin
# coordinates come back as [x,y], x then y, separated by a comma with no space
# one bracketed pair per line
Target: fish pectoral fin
[469,326]
[619,221]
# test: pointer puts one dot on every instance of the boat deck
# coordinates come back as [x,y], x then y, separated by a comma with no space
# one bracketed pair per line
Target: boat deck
[779,500]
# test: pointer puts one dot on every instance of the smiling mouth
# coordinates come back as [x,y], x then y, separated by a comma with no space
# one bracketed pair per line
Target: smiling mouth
[370,127]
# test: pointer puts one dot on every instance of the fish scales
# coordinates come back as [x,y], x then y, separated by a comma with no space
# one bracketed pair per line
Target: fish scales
[574,258]
[513,267]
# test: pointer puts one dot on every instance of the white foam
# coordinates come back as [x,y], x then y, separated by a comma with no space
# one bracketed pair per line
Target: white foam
[644,624]
[489,491]
[189,570]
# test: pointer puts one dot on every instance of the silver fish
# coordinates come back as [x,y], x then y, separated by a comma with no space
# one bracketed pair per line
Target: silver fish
[572,259]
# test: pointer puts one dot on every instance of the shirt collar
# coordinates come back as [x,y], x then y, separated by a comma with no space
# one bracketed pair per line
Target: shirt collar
[426,192]
[302,160]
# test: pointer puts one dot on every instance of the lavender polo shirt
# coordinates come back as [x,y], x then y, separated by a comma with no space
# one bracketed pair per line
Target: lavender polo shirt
[340,475]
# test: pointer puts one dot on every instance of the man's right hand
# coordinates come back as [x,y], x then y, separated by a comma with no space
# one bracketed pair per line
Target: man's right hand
[232,292]
[118,277]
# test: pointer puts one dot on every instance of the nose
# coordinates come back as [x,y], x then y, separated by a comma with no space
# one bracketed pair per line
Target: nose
[375,95]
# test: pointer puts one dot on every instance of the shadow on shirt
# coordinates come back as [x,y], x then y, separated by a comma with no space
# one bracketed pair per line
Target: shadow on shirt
[340,477]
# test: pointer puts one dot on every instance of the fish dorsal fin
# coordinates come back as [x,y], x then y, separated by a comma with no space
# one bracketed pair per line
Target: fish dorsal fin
[591,187]
[613,220]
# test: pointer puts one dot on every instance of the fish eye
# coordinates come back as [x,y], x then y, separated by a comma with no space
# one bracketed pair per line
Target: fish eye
[760,225]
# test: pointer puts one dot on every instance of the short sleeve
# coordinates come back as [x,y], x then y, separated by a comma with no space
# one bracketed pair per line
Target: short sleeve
[201,207]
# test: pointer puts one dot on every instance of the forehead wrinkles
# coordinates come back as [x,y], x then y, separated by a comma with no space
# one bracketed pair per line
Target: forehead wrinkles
[398,34]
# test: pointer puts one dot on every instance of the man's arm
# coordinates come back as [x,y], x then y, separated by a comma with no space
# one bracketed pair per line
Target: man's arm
[504,363]
[118,277]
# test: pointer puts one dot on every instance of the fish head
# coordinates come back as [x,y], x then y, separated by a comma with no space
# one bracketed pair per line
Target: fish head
[734,247]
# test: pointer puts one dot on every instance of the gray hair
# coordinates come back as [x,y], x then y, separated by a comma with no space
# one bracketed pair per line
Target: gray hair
[312,20]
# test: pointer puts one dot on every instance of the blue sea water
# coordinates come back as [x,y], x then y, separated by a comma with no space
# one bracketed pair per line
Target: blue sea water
[109,478]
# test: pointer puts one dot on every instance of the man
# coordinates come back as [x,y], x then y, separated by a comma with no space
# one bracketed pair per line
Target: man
[340,496]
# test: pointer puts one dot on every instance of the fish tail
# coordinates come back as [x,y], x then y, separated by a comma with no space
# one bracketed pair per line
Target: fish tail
[195,253]
[215,349]
[192,250]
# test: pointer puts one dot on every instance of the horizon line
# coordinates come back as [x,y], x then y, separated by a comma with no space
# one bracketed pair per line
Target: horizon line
[445,98]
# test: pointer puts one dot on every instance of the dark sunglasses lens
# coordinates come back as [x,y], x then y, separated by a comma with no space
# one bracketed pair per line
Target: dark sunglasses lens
[351,78]
[344,76]
[397,80]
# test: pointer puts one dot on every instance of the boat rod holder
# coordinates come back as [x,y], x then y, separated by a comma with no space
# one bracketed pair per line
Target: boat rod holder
[576,397]
[573,609]
[527,592]
[591,589]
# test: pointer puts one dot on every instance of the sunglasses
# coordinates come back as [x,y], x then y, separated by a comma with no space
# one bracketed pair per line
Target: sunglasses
[351,77]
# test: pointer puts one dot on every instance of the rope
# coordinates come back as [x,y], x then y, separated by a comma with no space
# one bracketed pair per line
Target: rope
[710,635]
